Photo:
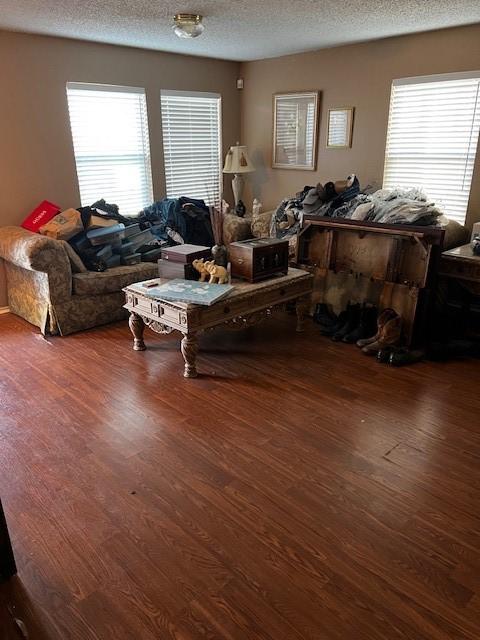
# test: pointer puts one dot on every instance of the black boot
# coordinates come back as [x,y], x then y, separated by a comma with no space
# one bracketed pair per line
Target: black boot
[323,316]
[351,322]
[366,327]
[385,354]
[331,330]
[402,357]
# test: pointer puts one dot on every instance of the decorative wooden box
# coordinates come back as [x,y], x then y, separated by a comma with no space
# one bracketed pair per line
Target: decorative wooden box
[170,269]
[258,258]
[186,253]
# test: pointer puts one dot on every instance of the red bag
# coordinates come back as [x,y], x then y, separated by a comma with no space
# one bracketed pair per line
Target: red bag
[40,215]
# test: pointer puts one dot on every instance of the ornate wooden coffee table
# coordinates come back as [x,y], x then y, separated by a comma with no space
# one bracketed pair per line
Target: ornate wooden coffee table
[244,306]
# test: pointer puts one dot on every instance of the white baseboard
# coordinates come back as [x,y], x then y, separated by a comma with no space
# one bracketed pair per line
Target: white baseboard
[4,310]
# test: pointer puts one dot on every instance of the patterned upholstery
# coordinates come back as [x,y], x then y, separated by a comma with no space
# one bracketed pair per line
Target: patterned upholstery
[261,224]
[49,286]
[114,279]
[235,228]
[34,252]
[39,280]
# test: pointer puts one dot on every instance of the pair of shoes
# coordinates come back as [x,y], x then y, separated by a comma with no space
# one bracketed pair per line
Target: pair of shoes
[351,321]
[389,332]
[324,316]
[383,318]
[366,325]
[330,324]
[399,357]
[384,354]
[402,357]
[354,323]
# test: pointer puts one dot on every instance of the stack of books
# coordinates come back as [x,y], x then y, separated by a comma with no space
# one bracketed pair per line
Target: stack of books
[180,290]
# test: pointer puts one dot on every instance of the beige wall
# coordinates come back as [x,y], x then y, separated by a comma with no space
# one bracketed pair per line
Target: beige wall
[359,76]
[37,162]
[36,158]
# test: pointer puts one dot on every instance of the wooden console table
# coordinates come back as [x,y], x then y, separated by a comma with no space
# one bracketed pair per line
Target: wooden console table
[246,304]
[401,259]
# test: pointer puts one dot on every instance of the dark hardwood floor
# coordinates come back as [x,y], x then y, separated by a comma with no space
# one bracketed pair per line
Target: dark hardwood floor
[297,490]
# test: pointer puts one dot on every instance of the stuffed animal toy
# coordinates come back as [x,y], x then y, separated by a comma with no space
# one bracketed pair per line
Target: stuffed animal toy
[199,265]
[217,273]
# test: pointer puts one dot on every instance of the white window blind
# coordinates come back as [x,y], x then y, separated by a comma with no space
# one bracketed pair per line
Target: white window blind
[432,138]
[110,140]
[191,124]
[287,131]
[309,133]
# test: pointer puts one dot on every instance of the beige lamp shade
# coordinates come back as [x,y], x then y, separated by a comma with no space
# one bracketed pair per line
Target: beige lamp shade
[237,160]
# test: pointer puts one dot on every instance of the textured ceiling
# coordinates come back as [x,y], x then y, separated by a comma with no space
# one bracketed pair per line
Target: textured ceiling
[236,29]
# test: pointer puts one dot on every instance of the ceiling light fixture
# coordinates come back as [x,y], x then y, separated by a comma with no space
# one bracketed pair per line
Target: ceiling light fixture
[188,25]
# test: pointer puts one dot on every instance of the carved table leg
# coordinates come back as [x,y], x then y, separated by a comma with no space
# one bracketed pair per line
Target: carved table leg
[302,306]
[137,326]
[189,347]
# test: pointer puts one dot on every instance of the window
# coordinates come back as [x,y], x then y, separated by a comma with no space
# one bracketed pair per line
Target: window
[432,138]
[192,145]
[110,140]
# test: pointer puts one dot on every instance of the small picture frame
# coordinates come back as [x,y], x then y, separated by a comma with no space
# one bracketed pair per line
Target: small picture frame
[295,130]
[340,128]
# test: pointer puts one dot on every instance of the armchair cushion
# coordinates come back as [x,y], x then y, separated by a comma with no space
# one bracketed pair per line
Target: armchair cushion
[261,224]
[114,279]
[76,263]
[455,234]
[235,228]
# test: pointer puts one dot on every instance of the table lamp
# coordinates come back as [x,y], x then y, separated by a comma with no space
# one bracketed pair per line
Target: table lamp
[238,162]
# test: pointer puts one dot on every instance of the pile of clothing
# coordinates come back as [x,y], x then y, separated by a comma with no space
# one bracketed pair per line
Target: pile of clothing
[179,221]
[344,199]
[321,200]
[397,206]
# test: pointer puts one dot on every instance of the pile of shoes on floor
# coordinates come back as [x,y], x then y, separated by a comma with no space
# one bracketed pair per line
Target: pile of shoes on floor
[376,334]
[380,335]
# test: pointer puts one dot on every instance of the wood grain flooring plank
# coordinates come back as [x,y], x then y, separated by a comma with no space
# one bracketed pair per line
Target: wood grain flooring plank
[295,491]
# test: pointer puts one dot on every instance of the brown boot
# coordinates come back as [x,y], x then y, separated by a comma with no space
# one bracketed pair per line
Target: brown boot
[390,335]
[383,318]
